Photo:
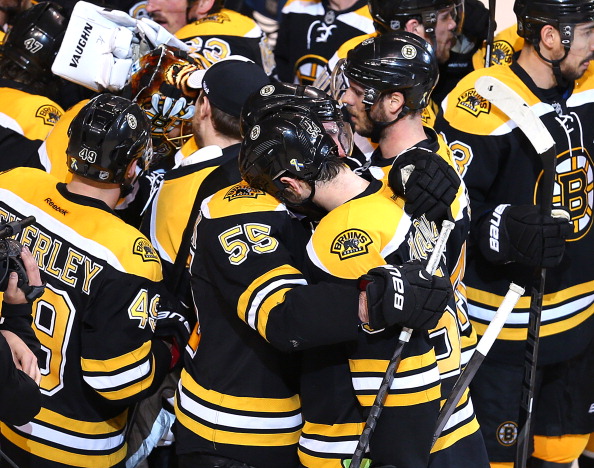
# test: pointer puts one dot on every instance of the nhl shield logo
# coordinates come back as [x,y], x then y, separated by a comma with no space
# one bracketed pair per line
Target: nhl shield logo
[351,243]
[473,102]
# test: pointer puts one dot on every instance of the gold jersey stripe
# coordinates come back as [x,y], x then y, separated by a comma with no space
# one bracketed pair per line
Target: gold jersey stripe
[83,427]
[407,399]
[237,438]
[114,364]
[333,430]
[47,452]
[316,462]
[458,434]
[132,389]
[411,363]
[257,405]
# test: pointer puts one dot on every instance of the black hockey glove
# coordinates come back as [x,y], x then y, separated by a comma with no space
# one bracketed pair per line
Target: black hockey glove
[522,234]
[431,187]
[405,295]
[173,328]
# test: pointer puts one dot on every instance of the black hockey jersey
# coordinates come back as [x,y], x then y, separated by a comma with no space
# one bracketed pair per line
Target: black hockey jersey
[500,166]
[238,394]
[309,34]
[95,323]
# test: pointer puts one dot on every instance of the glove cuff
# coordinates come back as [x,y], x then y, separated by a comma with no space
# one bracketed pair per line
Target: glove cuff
[493,241]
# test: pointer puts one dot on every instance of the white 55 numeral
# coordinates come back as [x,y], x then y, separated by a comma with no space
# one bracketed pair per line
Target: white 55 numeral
[239,240]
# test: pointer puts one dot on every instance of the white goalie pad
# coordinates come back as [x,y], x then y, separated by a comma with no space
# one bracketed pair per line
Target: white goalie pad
[100,46]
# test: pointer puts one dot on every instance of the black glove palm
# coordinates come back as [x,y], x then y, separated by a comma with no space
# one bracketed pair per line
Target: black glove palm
[522,234]
[431,187]
[405,295]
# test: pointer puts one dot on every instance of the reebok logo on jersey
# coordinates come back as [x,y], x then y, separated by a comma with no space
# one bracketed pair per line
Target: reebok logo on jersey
[473,102]
[51,203]
[351,243]
[145,249]
[80,47]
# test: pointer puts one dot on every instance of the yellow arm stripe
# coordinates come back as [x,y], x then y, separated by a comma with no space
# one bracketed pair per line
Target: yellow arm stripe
[133,389]
[116,363]
[380,366]
[271,301]
[310,461]
[83,427]
[237,438]
[458,434]
[334,430]
[259,405]
[407,399]
[57,455]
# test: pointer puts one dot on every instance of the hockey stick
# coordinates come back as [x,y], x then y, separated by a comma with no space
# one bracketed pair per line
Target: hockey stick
[490,34]
[510,103]
[484,345]
[405,334]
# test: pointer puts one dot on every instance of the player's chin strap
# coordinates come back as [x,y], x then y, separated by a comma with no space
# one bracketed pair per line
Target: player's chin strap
[371,97]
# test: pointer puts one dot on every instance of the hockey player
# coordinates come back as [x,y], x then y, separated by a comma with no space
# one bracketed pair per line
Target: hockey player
[238,395]
[28,90]
[362,230]
[105,314]
[310,33]
[391,77]
[215,126]
[509,236]
[171,14]
[217,32]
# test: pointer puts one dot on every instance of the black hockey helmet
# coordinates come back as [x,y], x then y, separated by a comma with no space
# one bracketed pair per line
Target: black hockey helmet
[532,15]
[289,97]
[106,135]
[35,38]
[392,15]
[290,144]
[395,61]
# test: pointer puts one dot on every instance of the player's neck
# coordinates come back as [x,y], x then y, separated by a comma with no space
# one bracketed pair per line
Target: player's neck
[539,70]
[402,135]
[340,5]
[107,193]
[342,188]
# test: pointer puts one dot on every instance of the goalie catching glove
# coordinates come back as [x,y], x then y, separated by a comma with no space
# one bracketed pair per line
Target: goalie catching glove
[429,187]
[522,234]
[405,295]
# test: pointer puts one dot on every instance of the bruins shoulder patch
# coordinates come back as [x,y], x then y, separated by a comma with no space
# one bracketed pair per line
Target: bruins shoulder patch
[49,114]
[473,102]
[351,243]
[214,18]
[502,53]
[242,191]
[145,249]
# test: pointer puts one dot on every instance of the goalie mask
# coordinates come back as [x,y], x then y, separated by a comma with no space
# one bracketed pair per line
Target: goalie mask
[288,97]
[106,135]
[159,86]
[35,38]
[392,15]
[285,144]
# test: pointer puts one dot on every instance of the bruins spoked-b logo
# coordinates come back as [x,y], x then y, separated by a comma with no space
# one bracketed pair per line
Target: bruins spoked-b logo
[473,102]
[145,249]
[351,243]
[507,433]
[574,189]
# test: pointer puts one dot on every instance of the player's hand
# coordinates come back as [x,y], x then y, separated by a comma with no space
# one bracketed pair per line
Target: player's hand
[23,357]
[522,234]
[429,186]
[29,292]
[405,295]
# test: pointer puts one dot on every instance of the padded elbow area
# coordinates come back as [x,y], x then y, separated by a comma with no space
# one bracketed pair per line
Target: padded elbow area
[561,449]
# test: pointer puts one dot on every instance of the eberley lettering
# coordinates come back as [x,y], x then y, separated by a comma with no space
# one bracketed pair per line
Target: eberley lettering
[82,42]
